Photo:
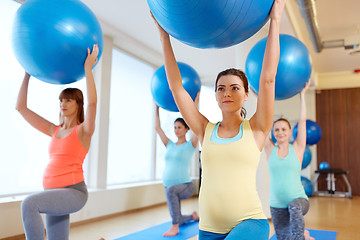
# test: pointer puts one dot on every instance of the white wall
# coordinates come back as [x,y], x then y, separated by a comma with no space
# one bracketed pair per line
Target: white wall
[337,80]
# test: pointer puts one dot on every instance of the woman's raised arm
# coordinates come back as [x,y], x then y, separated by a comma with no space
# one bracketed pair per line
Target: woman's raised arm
[88,126]
[196,121]
[262,120]
[31,117]
[158,128]
[300,141]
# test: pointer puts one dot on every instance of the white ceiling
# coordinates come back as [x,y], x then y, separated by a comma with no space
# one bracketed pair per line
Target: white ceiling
[336,19]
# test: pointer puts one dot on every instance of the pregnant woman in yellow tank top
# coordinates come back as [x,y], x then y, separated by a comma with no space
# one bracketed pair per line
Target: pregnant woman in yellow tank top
[229,203]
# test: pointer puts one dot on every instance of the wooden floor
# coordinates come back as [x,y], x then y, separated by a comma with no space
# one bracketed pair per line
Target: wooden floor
[334,214]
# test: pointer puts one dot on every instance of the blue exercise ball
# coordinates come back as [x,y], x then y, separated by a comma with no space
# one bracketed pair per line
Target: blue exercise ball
[50,39]
[273,139]
[324,166]
[313,132]
[211,23]
[293,71]
[160,88]
[307,186]
[306,157]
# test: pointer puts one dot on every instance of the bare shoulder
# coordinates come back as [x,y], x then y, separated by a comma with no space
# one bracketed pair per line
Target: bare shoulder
[259,134]
[81,130]
[85,138]
[201,133]
[298,148]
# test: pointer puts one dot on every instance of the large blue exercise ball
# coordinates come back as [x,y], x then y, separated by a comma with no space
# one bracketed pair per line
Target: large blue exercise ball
[307,186]
[50,39]
[313,132]
[211,23]
[293,71]
[324,166]
[306,157]
[160,88]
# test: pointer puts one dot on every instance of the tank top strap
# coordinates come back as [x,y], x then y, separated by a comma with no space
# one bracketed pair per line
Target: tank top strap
[209,129]
[247,133]
[56,131]
[76,130]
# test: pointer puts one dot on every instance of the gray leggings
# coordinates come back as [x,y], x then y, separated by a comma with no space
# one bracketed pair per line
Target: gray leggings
[174,194]
[290,219]
[57,204]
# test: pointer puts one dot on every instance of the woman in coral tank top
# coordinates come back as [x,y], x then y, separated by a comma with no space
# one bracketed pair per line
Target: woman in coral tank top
[65,190]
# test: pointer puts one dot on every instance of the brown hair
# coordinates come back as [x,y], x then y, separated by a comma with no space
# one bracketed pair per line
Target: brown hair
[282,119]
[241,75]
[77,95]
[182,121]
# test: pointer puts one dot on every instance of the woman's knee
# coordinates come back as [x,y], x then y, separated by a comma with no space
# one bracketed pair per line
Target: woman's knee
[29,203]
[188,191]
[299,205]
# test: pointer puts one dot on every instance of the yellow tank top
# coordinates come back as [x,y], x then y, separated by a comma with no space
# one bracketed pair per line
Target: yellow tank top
[228,192]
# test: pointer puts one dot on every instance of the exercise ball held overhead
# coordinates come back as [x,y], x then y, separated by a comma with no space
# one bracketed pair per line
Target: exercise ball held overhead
[50,39]
[160,88]
[211,23]
[313,132]
[294,68]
